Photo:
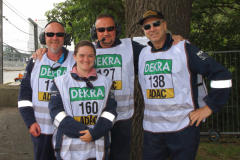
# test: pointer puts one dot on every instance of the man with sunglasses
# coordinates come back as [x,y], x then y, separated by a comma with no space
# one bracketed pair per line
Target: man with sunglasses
[168,75]
[115,60]
[34,94]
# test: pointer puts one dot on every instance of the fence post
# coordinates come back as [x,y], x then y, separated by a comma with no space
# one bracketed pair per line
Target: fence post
[1,44]
[35,33]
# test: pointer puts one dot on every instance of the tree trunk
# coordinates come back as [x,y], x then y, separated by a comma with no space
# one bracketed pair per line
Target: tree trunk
[177,13]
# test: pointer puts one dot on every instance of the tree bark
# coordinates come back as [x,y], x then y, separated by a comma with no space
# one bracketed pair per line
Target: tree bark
[177,13]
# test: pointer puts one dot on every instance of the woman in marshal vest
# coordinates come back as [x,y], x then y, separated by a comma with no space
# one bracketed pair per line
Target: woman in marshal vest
[83,109]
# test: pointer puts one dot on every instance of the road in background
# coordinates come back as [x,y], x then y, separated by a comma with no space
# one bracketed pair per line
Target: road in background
[12,72]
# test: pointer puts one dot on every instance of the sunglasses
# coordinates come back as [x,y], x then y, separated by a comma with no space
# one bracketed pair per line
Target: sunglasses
[58,34]
[55,66]
[88,83]
[102,29]
[155,24]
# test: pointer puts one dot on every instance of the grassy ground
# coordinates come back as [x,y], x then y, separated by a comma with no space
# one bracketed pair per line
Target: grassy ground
[226,148]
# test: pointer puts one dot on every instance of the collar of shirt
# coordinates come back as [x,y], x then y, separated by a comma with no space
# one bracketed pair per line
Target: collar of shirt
[92,72]
[166,45]
[62,58]
[76,77]
[116,42]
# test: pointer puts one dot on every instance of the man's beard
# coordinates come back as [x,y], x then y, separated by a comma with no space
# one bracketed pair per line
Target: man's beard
[54,50]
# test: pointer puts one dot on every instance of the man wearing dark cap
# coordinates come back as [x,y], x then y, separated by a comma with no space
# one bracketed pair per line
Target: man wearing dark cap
[169,78]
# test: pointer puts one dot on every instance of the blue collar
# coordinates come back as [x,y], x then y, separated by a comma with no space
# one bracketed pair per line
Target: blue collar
[61,59]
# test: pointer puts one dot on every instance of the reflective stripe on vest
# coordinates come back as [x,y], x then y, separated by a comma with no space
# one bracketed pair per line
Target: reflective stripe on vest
[81,150]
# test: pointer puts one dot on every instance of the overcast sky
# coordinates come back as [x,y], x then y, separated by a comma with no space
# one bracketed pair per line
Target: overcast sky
[33,9]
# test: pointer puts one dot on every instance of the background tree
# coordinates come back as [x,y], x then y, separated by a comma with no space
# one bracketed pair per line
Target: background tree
[82,15]
[177,13]
[215,25]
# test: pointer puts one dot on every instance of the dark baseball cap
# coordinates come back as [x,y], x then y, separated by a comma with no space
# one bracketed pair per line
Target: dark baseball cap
[150,13]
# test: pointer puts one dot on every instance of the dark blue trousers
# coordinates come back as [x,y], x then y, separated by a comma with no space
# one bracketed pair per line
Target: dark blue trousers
[181,145]
[43,149]
[120,140]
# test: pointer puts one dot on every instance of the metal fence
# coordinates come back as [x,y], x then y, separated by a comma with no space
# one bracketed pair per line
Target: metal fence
[227,120]
[11,54]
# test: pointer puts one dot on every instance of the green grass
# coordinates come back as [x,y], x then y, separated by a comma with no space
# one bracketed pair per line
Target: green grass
[226,148]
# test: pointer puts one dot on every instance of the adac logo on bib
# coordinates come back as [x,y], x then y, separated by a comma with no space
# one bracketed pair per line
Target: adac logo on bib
[46,72]
[159,66]
[83,94]
[108,60]
[87,120]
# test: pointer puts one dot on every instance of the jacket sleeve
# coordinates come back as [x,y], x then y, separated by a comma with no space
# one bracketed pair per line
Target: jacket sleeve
[220,77]
[66,124]
[106,120]
[25,96]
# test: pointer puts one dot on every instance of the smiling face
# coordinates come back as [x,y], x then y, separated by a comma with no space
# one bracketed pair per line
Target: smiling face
[54,43]
[85,58]
[109,36]
[157,35]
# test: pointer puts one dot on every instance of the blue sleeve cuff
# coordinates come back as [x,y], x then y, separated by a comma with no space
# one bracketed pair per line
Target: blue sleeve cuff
[102,127]
[217,98]
[211,104]
[71,128]
[28,116]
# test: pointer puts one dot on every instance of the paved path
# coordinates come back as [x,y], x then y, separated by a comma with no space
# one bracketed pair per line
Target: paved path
[15,140]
